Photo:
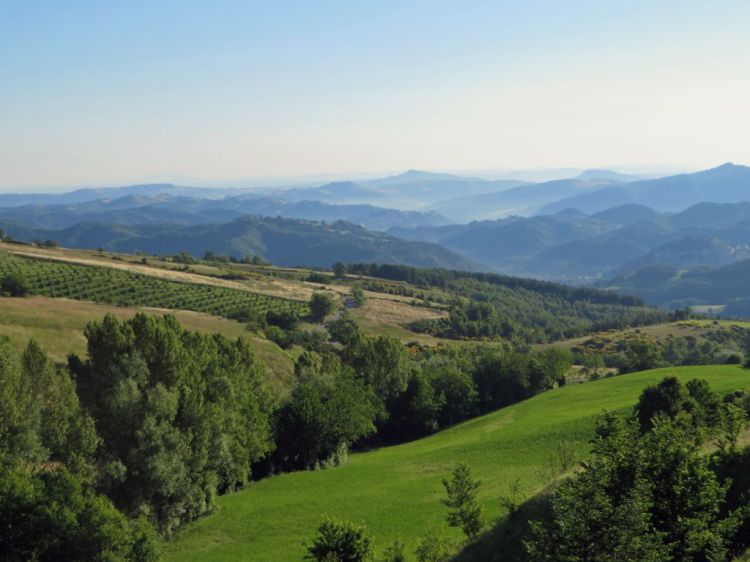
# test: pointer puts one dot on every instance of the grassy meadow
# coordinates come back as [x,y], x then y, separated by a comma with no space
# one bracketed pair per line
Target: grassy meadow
[397,490]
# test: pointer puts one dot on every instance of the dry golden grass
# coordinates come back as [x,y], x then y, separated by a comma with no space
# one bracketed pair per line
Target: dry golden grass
[58,324]
[381,315]
[387,311]
[656,331]
[267,280]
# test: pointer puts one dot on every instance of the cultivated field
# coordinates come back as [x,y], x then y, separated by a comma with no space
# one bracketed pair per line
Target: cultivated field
[123,280]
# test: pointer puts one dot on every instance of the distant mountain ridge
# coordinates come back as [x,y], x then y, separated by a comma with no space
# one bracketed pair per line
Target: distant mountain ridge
[166,208]
[607,175]
[574,247]
[410,191]
[86,195]
[598,225]
[677,287]
[728,183]
[520,200]
[460,198]
[287,242]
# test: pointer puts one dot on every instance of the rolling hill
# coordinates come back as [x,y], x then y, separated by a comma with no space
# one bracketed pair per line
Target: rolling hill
[689,252]
[94,194]
[522,200]
[397,490]
[503,242]
[413,189]
[58,325]
[608,175]
[626,214]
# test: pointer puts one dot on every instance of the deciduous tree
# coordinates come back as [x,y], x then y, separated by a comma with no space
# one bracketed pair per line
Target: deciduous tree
[465,511]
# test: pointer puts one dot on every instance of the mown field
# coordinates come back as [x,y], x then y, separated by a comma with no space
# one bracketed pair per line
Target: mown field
[397,490]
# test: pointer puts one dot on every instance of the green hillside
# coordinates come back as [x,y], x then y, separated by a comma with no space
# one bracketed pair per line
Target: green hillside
[397,490]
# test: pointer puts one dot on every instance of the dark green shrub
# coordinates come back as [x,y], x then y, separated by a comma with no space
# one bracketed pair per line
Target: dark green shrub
[278,336]
[14,285]
[316,277]
[341,541]
[285,319]
[321,305]
[734,359]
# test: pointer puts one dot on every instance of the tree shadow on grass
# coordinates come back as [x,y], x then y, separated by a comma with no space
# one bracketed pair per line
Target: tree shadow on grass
[504,541]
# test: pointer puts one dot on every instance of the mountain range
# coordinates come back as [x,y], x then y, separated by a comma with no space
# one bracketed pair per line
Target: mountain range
[575,247]
[675,287]
[160,208]
[288,242]
[599,227]
[727,183]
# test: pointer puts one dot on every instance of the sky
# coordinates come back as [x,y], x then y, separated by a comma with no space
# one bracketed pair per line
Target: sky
[116,92]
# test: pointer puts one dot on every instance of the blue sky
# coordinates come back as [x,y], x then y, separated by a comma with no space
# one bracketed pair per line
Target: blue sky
[112,92]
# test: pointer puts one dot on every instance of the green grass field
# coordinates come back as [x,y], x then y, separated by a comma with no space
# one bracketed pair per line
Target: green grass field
[397,490]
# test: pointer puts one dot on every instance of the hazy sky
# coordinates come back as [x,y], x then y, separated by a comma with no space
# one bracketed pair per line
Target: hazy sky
[108,92]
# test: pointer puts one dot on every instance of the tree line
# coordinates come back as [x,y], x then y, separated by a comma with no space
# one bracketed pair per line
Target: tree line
[492,306]
[362,390]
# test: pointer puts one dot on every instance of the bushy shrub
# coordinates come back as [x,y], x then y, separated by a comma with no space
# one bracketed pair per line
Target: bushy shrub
[14,285]
[284,319]
[434,547]
[341,541]
[321,305]
[316,277]
[278,336]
